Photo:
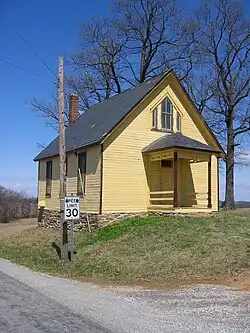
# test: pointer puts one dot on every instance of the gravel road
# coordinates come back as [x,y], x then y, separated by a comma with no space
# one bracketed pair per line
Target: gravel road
[24,310]
[34,302]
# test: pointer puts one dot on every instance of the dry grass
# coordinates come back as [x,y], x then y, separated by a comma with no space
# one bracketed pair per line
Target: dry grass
[17,226]
[144,249]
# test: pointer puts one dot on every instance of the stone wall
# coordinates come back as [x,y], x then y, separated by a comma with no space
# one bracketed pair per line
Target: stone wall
[51,219]
[106,219]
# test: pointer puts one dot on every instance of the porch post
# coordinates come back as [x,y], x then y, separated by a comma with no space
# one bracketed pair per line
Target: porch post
[209,204]
[175,179]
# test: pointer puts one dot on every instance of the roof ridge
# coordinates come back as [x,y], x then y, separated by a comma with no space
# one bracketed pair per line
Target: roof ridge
[128,89]
[118,94]
[105,115]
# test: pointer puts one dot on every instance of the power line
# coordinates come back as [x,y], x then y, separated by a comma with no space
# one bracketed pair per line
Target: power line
[21,68]
[36,53]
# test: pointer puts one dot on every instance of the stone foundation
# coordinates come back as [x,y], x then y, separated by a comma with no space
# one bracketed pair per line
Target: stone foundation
[155,213]
[51,219]
[107,219]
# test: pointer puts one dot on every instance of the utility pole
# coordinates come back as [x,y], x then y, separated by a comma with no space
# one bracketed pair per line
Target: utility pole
[64,224]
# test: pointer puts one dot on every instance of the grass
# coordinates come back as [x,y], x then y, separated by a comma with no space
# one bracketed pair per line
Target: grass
[143,249]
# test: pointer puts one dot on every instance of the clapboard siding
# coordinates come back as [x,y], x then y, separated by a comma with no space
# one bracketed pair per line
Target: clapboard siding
[155,176]
[125,187]
[188,126]
[195,184]
[195,180]
[92,197]
[193,125]
[71,184]
[93,180]
[41,183]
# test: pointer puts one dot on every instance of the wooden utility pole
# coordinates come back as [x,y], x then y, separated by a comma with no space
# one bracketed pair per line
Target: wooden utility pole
[64,231]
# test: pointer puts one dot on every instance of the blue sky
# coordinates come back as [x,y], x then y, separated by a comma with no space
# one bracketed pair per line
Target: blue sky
[51,28]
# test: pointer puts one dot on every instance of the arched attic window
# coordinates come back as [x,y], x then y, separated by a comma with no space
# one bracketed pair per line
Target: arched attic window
[167,115]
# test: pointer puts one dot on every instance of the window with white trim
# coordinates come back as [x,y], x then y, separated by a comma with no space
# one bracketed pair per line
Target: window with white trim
[81,173]
[154,118]
[178,122]
[48,178]
[167,115]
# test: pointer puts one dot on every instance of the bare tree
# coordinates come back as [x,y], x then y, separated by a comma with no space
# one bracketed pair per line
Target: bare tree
[49,110]
[221,85]
[155,31]
[140,39]
[96,64]
[14,204]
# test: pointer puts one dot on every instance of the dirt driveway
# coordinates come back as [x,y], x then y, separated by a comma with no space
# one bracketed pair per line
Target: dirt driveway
[17,226]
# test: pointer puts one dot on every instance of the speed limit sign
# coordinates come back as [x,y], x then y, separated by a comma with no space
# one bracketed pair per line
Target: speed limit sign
[71,208]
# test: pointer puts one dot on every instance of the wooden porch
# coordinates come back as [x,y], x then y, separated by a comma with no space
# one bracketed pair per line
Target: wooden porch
[182,174]
[179,181]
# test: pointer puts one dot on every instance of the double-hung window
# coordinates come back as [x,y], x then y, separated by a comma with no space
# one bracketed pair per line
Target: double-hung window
[166,115]
[48,178]
[81,172]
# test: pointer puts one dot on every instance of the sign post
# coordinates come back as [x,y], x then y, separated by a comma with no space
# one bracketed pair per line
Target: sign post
[71,213]
[64,230]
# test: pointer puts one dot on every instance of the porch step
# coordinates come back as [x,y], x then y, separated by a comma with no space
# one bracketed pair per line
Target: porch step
[184,210]
[160,207]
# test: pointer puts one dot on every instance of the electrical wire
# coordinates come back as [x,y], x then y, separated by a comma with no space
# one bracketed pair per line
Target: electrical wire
[21,68]
[36,53]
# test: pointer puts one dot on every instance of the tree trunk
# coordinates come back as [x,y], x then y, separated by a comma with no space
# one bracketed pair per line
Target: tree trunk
[229,195]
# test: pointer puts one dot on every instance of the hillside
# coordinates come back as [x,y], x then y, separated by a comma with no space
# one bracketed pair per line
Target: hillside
[143,249]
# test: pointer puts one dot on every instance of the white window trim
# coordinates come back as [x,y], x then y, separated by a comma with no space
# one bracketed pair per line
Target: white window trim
[155,118]
[176,121]
[175,109]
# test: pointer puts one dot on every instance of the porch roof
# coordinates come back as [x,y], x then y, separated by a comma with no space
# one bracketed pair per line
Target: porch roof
[180,141]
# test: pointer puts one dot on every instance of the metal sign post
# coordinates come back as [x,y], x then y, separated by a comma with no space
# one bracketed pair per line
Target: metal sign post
[71,213]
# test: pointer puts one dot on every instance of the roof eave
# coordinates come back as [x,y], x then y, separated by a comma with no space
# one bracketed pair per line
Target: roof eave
[183,148]
[200,116]
[36,159]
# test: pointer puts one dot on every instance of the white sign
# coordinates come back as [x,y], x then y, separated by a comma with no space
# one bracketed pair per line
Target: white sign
[71,208]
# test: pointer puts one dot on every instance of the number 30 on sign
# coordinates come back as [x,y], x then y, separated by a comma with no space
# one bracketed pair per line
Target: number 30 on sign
[71,208]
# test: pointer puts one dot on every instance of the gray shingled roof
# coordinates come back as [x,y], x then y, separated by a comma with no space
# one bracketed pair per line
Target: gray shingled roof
[178,140]
[96,122]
